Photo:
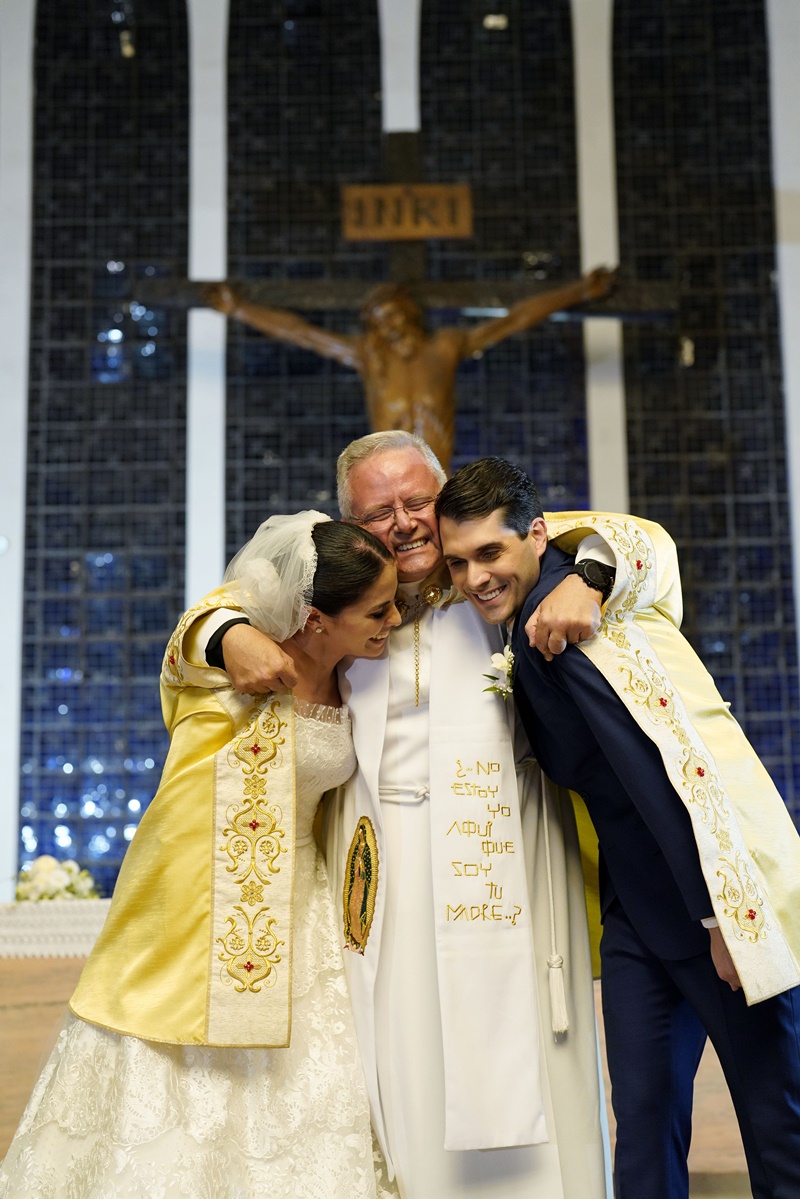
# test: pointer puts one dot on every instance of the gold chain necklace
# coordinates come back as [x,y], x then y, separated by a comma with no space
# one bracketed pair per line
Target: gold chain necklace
[430,595]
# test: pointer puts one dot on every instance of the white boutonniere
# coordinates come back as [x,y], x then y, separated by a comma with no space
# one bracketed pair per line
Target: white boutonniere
[501,683]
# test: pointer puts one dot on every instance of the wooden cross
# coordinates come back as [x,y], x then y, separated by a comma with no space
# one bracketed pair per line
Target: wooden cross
[409,375]
[629,300]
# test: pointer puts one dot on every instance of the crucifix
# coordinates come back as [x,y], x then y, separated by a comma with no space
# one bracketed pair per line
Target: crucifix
[408,374]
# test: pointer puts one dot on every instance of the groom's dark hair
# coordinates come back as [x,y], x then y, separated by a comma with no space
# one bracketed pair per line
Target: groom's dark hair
[479,489]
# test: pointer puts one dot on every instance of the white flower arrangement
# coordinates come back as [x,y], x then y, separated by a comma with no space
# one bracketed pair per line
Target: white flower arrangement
[47,878]
[501,683]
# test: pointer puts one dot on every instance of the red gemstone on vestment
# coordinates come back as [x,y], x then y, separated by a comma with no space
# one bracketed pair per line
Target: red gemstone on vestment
[172,659]
[256,749]
[249,966]
[638,564]
[663,702]
[701,772]
[254,825]
[751,914]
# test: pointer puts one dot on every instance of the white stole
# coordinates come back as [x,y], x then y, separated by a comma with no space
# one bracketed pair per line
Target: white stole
[484,942]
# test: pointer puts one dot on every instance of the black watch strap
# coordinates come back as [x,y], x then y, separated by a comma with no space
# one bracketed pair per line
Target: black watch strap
[596,575]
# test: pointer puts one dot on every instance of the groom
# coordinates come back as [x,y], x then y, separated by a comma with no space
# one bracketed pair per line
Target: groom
[700,862]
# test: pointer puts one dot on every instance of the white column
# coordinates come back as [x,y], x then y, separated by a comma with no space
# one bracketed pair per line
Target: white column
[592,25]
[399,25]
[783,30]
[205,360]
[16,113]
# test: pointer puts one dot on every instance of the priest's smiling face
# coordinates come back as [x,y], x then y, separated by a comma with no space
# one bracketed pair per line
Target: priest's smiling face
[491,564]
[387,481]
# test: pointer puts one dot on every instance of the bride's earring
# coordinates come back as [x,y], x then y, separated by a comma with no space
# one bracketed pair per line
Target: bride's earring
[317,630]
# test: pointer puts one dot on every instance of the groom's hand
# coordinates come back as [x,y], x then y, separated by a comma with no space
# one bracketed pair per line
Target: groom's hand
[569,614]
[723,962]
[255,664]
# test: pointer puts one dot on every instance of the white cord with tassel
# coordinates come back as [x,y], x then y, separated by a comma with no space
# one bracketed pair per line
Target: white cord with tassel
[558,999]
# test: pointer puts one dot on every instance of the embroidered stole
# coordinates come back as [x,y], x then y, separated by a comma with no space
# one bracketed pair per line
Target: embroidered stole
[484,944]
[484,941]
[250,951]
[747,844]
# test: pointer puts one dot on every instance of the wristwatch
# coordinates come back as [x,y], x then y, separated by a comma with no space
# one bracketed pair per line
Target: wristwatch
[596,575]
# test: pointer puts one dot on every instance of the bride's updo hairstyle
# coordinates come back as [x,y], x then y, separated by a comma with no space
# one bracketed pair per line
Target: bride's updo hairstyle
[292,562]
[349,560]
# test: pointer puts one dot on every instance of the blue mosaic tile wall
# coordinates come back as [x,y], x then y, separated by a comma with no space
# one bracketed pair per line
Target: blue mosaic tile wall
[106,439]
[498,112]
[305,117]
[705,407]
[105,539]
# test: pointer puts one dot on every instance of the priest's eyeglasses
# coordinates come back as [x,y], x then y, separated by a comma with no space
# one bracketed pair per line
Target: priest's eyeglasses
[384,516]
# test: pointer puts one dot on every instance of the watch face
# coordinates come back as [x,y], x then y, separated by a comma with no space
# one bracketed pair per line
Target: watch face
[594,573]
[597,575]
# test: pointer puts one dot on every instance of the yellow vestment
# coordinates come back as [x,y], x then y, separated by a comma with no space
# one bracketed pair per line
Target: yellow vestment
[748,846]
[197,945]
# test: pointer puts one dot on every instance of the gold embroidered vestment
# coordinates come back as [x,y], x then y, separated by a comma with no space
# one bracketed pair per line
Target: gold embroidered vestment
[197,945]
[748,846]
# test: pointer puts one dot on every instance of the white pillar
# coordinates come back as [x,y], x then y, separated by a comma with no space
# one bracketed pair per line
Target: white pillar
[399,26]
[16,113]
[205,359]
[592,26]
[783,31]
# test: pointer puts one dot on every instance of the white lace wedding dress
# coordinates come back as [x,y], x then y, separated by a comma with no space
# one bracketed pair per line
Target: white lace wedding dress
[114,1116]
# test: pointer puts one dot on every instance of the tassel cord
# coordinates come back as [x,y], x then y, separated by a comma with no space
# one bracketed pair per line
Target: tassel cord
[555,962]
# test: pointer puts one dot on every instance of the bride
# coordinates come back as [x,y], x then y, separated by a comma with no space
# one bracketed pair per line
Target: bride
[210,1049]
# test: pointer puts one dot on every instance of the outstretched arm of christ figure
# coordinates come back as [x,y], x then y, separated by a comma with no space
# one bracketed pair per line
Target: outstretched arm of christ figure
[536,309]
[284,326]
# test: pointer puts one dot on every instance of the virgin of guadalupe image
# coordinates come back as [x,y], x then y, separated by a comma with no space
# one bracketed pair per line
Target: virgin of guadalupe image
[360,887]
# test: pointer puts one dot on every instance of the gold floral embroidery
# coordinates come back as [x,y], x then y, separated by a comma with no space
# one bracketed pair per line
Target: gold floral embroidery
[173,665]
[616,635]
[705,790]
[252,893]
[633,547]
[253,839]
[649,689]
[253,833]
[636,553]
[631,543]
[742,900]
[250,950]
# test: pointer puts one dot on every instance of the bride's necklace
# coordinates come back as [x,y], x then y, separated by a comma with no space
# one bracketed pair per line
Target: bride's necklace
[430,594]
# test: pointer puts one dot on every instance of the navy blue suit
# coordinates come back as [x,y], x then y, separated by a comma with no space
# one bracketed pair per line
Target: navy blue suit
[661,992]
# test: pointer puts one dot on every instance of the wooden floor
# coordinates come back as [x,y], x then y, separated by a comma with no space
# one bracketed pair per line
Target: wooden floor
[33,999]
